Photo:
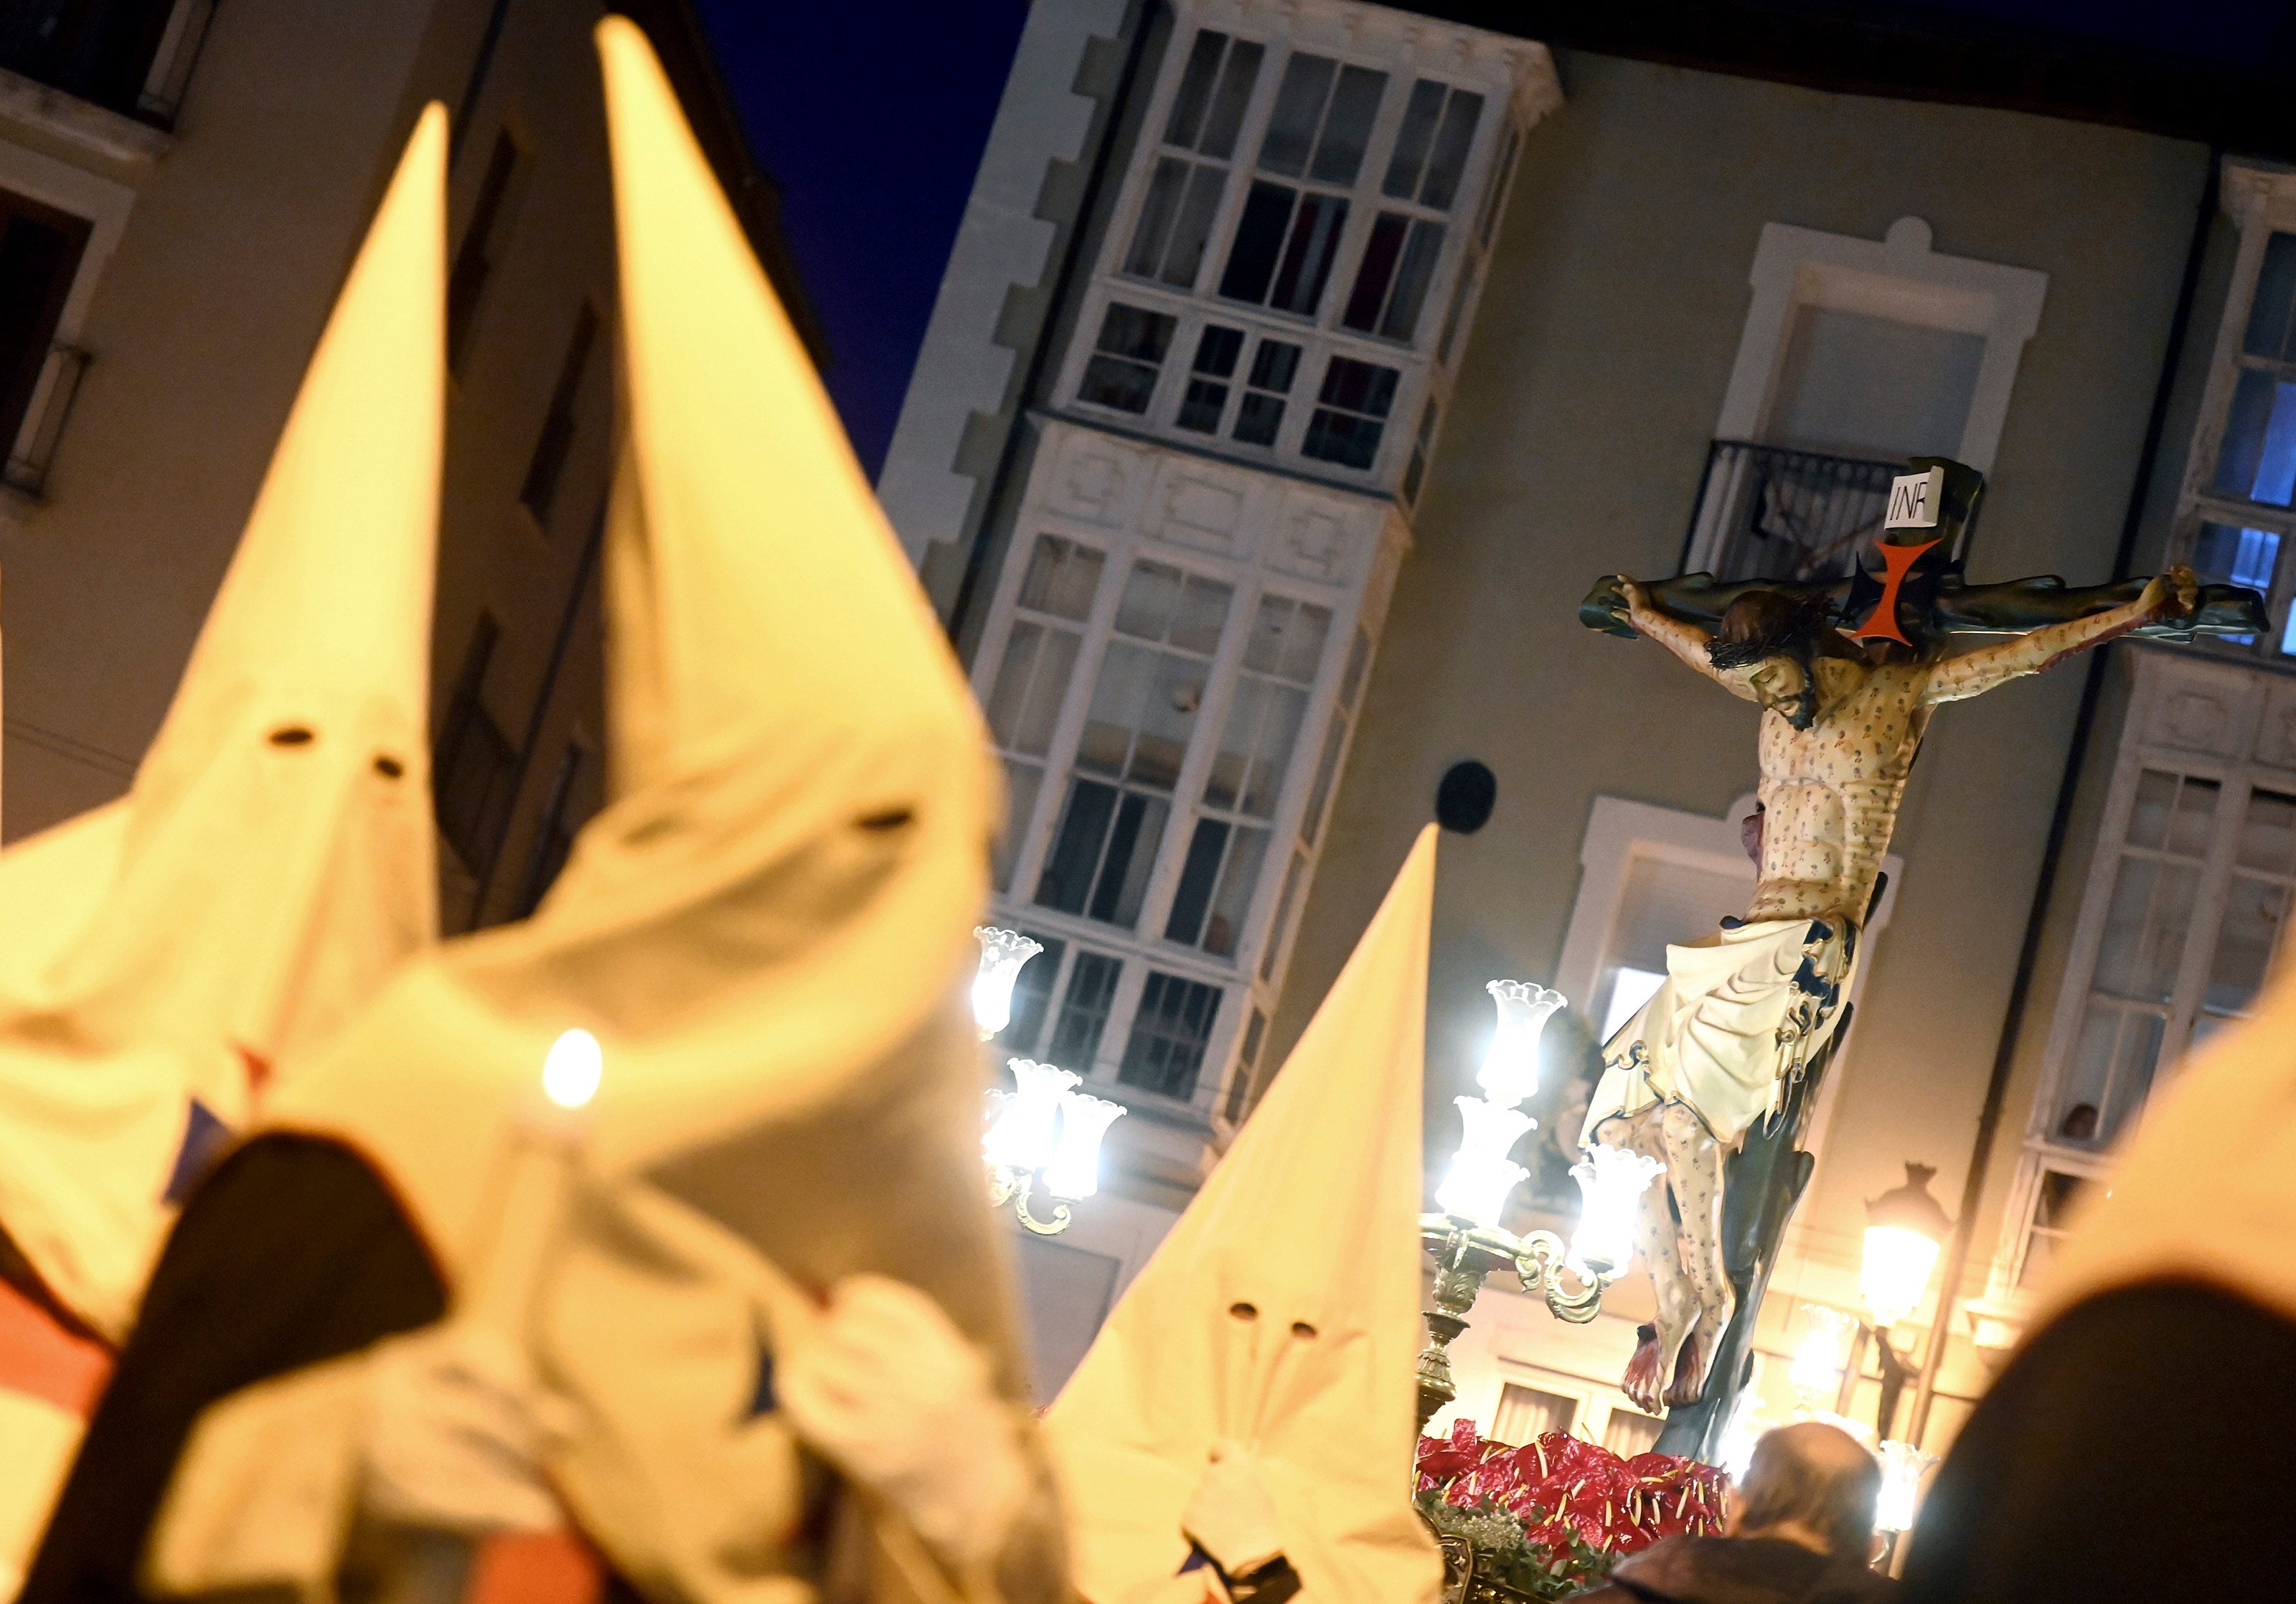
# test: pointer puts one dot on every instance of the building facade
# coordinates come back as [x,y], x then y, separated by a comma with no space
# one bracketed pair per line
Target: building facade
[182,185]
[1231,634]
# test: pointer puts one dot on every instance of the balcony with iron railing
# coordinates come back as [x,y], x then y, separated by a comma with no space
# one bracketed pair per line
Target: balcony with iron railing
[132,57]
[1774,513]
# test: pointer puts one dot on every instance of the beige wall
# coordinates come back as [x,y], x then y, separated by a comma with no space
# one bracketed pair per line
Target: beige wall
[1574,449]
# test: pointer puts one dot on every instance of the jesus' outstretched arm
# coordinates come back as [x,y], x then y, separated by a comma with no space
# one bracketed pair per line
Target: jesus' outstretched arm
[2171,595]
[1686,641]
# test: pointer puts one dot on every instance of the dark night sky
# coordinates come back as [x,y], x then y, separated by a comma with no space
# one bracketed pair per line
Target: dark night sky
[870,114]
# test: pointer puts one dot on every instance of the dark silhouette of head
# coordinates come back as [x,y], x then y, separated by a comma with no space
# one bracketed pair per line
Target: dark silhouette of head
[1810,1483]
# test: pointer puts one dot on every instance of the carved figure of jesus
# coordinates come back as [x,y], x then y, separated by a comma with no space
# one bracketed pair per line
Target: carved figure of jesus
[1743,1011]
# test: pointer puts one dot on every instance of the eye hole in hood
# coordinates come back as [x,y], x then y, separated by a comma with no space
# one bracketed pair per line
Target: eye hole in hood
[291,735]
[389,767]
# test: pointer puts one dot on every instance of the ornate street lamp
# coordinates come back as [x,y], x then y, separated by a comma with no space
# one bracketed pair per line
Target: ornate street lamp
[1903,1466]
[1044,1132]
[1466,1239]
[1904,1228]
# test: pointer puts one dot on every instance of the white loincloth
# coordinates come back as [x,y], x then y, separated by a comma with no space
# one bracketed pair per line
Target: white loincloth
[1711,1031]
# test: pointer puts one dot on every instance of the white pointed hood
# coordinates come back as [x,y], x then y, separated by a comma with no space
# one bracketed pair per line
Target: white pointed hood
[274,857]
[1283,1311]
[767,928]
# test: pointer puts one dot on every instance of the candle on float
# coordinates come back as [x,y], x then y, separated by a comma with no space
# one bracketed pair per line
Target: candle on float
[538,1175]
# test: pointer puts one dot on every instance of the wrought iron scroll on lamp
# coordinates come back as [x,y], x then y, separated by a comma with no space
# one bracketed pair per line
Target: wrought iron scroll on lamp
[1466,1239]
[1044,1132]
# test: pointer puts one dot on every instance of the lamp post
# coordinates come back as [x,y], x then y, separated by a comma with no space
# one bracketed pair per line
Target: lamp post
[1044,1132]
[1904,1228]
[1466,1239]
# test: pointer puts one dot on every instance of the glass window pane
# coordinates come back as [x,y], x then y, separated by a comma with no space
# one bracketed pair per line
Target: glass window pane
[1157,207]
[1202,615]
[1238,880]
[1228,103]
[2268,832]
[1032,731]
[1258,418]
[1358,386]
[1448,162]
[1185,256]
[1067,877]
[1272,365]
[1326,766]
[2087,1075]
[1411,281]
[1151,595]
[1308,254]
[1120,702]
[1281,925]
[1263,648]
[2271,314]
[1351,677]
[1195,91]
[2258,459]
[1279,732]
[2254,912]
[1305,632]
[1494,197]
[1084,1011]
[1217,350]
[1381,254]
[1347,127]
[2196,809]
[1136,331]
[1231,762]
[2144,929]
[1413,139]
[1201,407]
[1061,577]
[2132,1071]
[1011,686]
[1167,722]
[1259,241]
[1198,872]
[1123,386]
[2148,819]
[1169,1035]
[1133,841]
[2225,553]
[1298,108]
[1021,782]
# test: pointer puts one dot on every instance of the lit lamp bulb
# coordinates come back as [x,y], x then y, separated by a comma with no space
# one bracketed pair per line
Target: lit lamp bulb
[1074,1169]
[1612,1182]
[1904,1228]
[1002,952]
[1903,1466]
[1510,1071]
[1028,1121]
[572,1069]
[1481,1176]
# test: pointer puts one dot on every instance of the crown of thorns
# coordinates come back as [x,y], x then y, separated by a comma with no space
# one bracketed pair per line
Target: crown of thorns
[1793,630]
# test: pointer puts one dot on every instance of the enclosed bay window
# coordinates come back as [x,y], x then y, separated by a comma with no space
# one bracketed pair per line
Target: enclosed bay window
[1423,172]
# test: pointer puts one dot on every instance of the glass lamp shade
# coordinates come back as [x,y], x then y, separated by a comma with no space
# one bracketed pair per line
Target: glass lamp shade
[1510,1071]
[1002,952]
[1027,1127]
[572,1069]
[1824,1350]
[1074,1171]
[1903,1466]
[1896,1271]
[1480,1175]
[1612,1182]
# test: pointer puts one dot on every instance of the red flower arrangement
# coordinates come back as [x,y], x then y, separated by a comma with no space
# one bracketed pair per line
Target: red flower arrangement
[1569,1495]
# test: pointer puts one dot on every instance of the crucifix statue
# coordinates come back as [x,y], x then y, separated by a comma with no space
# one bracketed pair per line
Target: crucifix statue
[1720,1064]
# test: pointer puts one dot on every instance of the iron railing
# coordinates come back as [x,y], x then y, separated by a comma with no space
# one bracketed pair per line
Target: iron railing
[1768,513]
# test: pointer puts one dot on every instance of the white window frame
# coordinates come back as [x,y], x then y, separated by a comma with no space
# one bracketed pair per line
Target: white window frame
[2188,714]
[2260,200]
[1899,277]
